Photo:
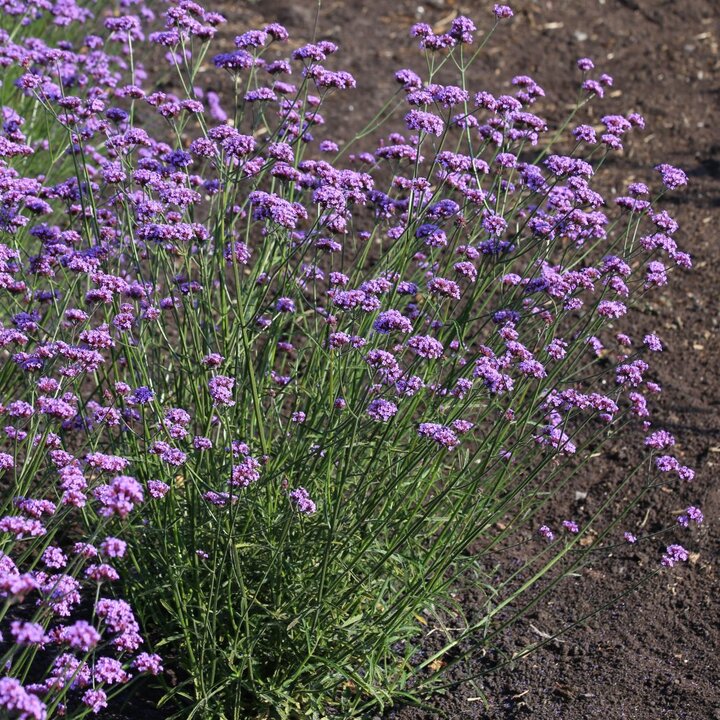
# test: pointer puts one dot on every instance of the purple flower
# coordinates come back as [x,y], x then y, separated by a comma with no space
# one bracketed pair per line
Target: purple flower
[69,672]
[431,235]
[381,410]
[532,368]
[237,252]
[695,514]
[85,550]
[301,499]
[102,573]
[113,547]
[667,463]
[502,12]
[421,30]
[149,663]
[385,364]
[674,554]
[221,387]
[629,538]
[659,440]
[653,343]
[506,160]
[285,305]
[585,133]
[462,29]
[444,287]
[631,373]
[656,274]
[639,404]
[120,619]
[251,39]
[611,309]
[123,26]
[202,443]
[495,381]
[14,698]
[106,463]
[96,700]
[35,508]
[143,395]
[546,532]
[213,360]
[61,593]
[462,426]
[562,165]
[408,79]
[571,526]
[219,499]
[247,471]
[557,349]
[53,557]
[425,122]
[318,52]
[276,209]
[27,633]
[466,269]
[392,321]
[21,527]
[349,299]
[448,95]
[110,671]
[691,514]
[80,636]
[157,489]
[494,224]
[441,434]
[672,177]
[426,347]
[276,31]
[237,60]
[119,497]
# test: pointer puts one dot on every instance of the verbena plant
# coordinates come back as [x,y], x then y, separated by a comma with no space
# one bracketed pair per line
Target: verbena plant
[284,398]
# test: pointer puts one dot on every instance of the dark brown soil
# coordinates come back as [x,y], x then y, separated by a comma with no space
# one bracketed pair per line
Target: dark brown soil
[654,653]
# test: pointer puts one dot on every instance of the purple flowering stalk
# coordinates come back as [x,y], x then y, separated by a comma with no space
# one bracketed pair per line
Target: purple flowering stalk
[284,384]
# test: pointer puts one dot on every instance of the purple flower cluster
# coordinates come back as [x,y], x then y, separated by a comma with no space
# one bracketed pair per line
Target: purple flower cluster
[442,435]
[221,388]
[674,554]
[691,514]
[381,410]
[301,499]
